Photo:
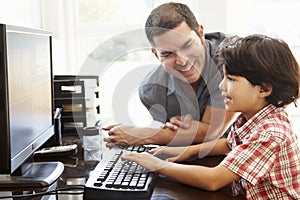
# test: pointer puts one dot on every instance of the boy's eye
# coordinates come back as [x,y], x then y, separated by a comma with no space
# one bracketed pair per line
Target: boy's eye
[229,78]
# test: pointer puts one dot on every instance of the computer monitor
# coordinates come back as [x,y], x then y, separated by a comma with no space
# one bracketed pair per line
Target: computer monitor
[26,106]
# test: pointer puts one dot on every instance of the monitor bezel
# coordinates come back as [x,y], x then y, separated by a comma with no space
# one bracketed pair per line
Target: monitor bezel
[13,165]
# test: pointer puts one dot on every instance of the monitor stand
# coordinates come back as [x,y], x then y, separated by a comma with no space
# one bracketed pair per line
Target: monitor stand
[40,174]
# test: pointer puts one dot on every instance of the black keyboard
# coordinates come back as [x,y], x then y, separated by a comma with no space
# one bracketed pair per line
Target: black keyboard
[118,179]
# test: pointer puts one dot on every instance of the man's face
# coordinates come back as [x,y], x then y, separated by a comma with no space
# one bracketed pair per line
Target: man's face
[182,52]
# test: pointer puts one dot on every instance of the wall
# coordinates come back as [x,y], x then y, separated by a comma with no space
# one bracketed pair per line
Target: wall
[26,13]
[212,14]
[56,15]
[41,14]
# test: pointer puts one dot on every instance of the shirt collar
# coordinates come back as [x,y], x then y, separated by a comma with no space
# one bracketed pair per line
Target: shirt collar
[242,127]
[171,85]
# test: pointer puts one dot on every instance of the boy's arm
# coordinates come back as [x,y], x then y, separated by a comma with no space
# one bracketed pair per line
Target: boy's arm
[206,178]
[198,176]
[193,152]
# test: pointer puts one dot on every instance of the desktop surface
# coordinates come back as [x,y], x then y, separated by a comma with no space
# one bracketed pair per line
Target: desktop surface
[77,170]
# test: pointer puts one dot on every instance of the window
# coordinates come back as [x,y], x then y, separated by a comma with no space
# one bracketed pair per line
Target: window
[106,33]
[278,18]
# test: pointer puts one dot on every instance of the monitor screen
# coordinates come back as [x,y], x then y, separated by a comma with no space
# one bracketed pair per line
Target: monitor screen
[26,95]
[29,86]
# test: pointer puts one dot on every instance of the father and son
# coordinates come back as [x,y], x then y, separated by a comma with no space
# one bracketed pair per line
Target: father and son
[215,92]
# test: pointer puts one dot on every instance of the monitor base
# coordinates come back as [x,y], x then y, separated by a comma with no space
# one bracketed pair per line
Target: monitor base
[41,174]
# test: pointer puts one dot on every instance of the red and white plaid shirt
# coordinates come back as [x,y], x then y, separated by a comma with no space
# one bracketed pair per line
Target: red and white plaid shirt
[266,155]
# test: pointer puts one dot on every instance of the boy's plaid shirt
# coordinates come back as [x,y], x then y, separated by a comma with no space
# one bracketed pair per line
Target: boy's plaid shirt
[266,155]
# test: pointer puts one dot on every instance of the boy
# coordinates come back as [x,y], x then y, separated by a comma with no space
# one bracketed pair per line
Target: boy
[261,77]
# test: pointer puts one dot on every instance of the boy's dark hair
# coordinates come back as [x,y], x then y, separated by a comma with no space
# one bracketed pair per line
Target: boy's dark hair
[168,16]
[264,61]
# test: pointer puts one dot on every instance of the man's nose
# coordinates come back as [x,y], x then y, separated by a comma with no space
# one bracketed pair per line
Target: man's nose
[180,60]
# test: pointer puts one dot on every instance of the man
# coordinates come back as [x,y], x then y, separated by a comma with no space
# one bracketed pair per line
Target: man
[186,83]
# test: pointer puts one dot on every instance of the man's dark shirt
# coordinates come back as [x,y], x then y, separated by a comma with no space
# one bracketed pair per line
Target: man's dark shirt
[165,96]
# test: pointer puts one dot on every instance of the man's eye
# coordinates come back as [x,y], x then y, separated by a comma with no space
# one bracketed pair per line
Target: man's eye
[187,45]
[167,54]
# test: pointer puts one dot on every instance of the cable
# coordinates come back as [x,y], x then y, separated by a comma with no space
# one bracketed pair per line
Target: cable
[59,191]
[51,192]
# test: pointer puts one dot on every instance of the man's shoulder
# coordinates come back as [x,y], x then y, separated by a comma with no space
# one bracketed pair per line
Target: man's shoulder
[157,76]
[216,38]
[214,43]
[154,84]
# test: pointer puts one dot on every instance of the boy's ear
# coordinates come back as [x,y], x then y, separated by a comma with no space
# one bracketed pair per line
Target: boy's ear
[265,89]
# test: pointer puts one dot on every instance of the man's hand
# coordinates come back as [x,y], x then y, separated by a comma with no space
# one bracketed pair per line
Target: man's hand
[123,135]
[177,122]
[117,136]
[109,127]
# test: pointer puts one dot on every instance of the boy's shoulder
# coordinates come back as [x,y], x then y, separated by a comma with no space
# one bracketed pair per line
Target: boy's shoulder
[275,126]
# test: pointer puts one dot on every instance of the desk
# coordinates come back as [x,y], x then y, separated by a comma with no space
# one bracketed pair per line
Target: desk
[77,171]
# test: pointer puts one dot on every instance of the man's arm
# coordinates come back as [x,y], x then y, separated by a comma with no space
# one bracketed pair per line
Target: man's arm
[214,122]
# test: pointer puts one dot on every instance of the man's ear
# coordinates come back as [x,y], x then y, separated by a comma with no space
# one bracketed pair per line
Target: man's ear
[154,51]
[265,89]
[201,33]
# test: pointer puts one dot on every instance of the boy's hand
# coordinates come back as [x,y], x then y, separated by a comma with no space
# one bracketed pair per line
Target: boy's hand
[177,154]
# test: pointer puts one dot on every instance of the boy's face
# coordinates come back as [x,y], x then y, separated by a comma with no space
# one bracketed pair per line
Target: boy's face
[241,96]
[182,52]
